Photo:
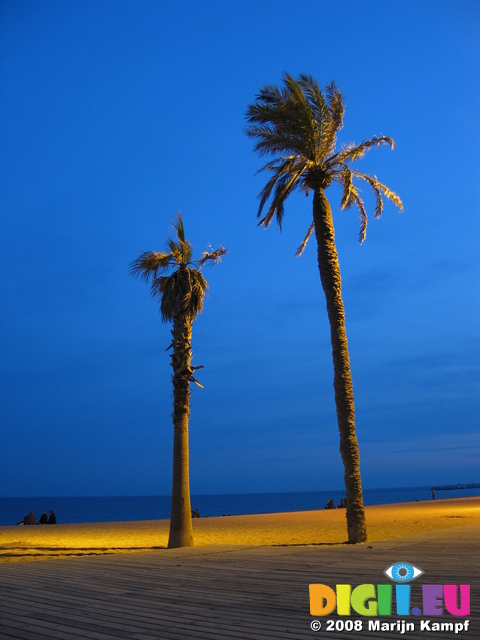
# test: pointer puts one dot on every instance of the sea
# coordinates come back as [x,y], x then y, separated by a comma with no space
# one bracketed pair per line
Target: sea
[132,508]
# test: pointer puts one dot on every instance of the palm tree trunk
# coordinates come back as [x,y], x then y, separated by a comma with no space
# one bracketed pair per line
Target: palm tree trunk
[181,530]
[332,286]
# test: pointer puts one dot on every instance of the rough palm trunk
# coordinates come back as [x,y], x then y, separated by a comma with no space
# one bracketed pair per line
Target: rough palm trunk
[332,286]
[181,530]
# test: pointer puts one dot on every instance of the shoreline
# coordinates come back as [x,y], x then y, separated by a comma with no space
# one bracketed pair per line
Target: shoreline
[82,509]
[320,527]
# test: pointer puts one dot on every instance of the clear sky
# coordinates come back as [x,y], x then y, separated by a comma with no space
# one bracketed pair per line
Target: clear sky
[115,115]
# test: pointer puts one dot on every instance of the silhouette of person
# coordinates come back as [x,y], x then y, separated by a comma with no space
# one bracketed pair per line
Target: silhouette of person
[24,519]
[43,518]
[52,519]
[30,519]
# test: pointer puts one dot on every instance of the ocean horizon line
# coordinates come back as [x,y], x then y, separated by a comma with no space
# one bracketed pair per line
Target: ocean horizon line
[84,509]
[233,493]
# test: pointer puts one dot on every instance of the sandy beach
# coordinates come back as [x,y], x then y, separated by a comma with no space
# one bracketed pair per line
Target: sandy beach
[247,577]
[324,527]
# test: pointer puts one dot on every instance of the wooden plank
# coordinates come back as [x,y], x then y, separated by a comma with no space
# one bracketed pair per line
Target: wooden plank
[230,594]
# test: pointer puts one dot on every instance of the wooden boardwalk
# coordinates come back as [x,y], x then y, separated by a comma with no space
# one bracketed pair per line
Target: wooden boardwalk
[220,593]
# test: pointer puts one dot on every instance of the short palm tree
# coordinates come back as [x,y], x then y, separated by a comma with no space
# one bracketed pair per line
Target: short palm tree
[181,297]
[297,124]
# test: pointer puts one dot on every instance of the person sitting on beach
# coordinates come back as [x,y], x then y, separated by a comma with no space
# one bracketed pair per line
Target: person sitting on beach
[43,518]
[329,504]
[196,513]
[52,518]
[31,518]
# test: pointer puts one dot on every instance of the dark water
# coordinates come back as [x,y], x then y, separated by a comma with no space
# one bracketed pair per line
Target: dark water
[111,509]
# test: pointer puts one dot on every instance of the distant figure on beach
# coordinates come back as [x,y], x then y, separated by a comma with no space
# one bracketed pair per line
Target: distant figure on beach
[329,505]
[343,504]
[52,519]
[43,518]
[196,513]
[433,493]
[31,518]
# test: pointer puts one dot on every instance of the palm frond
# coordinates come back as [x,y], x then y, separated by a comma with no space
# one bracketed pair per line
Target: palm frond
[180,231]
[297,124]
[301,248]
[181,292]
[287,173]
[164,290]
[271,143]
[302,113]
[348,189]
[176,251]
[149,263]
[324,125]
[350,197]
[184,289]
[356,151]
[213,256]
[378,196]
[336,109]
[363,219]
[284,185]
[264,196]
[183,249]
[282,121]
[380,189]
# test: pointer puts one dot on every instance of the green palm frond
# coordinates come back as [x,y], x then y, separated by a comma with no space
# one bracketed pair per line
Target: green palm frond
[363,218]
[183,249]
[314,98]
[378,196]
[284,185]
[298,124]
[281,121]
[380,189]
[149,263]
[176,251]
[184,289]
[351,196]
[346,180]
[287,174]
[327,111]
[302,114]
[180,231]
[272,140]
[356,151]
[336,109]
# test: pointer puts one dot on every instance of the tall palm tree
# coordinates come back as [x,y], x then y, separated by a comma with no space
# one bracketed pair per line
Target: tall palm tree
[181,297]
[297,124]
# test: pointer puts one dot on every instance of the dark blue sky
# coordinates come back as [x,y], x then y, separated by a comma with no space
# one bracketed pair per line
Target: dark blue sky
[115,115]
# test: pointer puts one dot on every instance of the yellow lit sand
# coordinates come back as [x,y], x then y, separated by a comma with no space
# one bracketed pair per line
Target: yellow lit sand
[298,528]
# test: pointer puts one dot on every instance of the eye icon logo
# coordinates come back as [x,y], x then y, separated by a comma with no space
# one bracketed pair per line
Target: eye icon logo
[403,572]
